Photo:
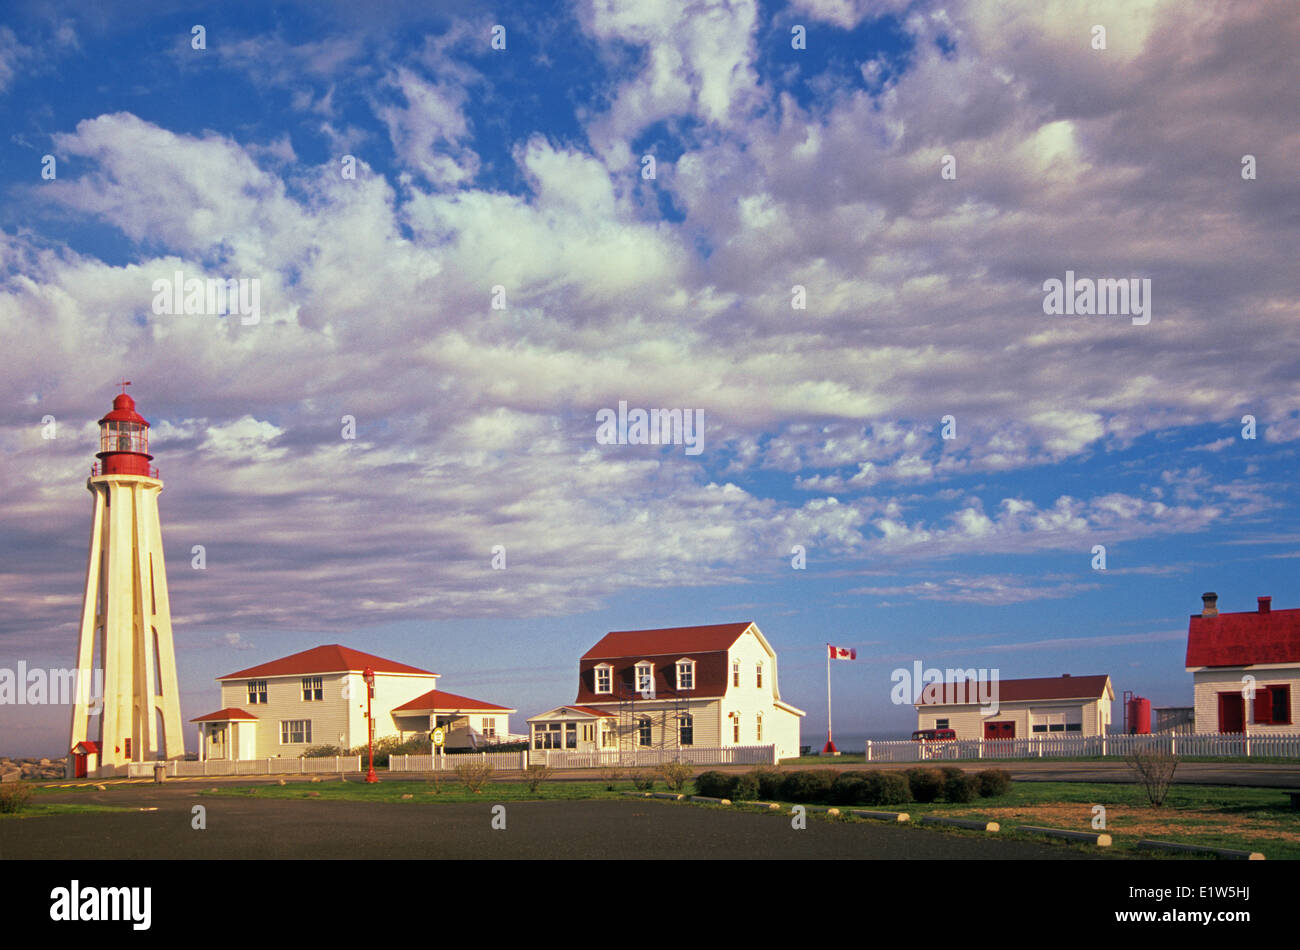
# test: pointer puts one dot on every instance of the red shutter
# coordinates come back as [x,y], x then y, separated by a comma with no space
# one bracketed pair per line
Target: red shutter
[1263,705]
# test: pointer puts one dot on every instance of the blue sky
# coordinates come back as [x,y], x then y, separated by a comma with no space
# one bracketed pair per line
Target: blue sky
[521,168]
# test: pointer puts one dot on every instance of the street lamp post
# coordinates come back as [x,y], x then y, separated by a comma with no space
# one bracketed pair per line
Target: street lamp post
[369,677]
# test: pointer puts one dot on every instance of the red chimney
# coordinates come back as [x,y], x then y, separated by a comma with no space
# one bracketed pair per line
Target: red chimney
[1209,602]
[1265,604]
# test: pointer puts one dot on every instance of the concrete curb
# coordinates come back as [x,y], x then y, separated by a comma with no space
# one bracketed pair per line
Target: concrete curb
[1148,845]
[989,826]
[711,801]
[1087,837]
[883,815]
[671,796]
[824,809]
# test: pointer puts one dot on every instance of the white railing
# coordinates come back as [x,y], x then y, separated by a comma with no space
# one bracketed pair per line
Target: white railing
[304,766]
[1056,747]
[566,759]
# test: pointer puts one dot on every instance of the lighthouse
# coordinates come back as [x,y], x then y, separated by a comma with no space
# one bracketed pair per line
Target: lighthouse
[126,626]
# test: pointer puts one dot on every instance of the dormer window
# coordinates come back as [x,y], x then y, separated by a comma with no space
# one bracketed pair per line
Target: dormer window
[604,678]
[645,677]
[685,674]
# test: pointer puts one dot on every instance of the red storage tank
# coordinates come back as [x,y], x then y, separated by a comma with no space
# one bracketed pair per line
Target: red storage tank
[1137,715]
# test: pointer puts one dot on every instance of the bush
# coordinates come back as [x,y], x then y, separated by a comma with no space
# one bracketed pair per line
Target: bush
[747,788]
[950,772]
[642,781]
[812,786]
[925,784]
[1155,770]
[676,775]
[611,777]
[474,775]
[537,774]
[323,752]
[770,782]
[716,784]
[849,788]
[13,796]
[961,788]
[886,788]
[994,782]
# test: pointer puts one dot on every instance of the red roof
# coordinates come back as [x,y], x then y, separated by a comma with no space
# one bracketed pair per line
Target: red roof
[1041,688]
[86,746]
[1244,639]
[225,715]
[327,659]
[123,411]
[676,640]
[436,699]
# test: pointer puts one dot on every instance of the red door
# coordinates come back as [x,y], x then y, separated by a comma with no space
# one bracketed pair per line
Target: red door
[1232,712]
[80,760]
[999,730]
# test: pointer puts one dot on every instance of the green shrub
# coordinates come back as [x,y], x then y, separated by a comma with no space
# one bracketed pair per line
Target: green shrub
[886,788]
[716,784]
[747,788]
[642,781]
[474,774]
[925,784]
[849,788]
[323,752]
[676,775]
[810,786]
[950,772]
[13,796]
[961,788]
[994,782]
[610,777]
[770,782]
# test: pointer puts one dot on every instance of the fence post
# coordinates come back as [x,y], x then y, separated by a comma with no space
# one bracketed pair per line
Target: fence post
[338,767]
[1173,744]
[302,764]
[868,750]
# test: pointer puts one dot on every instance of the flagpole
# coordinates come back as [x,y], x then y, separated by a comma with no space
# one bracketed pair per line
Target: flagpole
[830,743]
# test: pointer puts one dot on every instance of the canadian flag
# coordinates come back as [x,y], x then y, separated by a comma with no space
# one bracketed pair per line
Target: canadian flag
[840,653]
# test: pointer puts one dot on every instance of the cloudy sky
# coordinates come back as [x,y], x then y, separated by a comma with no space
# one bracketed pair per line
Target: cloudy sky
[503,264]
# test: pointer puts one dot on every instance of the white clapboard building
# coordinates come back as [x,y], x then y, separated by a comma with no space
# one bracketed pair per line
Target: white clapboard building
[677,688]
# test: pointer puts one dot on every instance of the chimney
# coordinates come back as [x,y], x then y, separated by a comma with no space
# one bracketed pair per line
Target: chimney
[1209,602]
[1265,604]
[1065,676]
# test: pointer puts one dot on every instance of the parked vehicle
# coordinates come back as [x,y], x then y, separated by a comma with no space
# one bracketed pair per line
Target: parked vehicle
[934,735]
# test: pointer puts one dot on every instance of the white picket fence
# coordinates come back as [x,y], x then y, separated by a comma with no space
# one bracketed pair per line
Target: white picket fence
[1057,747]
[180,768]
[565,759]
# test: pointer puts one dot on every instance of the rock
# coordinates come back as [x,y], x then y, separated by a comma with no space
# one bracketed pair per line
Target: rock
[315,778]
[101,788]
[282,782]
[408,796]
[44,762]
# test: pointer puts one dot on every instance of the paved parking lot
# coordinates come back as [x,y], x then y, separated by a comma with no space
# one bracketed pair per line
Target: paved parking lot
[635,828]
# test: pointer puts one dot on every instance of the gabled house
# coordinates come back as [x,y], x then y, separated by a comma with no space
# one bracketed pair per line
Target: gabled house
[1051,705]
[674,688]
[318,698]
[1245,668]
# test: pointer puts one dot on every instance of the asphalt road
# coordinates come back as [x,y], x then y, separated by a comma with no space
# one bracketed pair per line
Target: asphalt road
[636,828]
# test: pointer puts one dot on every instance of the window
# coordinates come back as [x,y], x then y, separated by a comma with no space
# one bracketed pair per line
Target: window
[607,737]
[1074,727]
[1273,705]
[643,731]
[546,735]
[570,735]
[685,674]
[941,724]
[759,683]
[604,679]
[588,732]
[256,692]
[685,730]
[489,729]
[735,727]
[311,689]
[295,730]
[735,673]
[645,678]
[758,724]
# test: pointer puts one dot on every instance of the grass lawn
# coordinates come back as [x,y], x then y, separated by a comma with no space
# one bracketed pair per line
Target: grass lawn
[423,793]
[1247,819]
[36,809]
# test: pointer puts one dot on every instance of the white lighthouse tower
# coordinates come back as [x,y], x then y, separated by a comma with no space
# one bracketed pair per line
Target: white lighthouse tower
[126,625]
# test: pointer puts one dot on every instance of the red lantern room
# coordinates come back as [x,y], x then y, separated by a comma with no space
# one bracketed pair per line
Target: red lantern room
[124,440]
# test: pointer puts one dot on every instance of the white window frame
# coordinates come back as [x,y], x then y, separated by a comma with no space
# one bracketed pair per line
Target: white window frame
[685,722]
[758,682]
[758,727]
[647,677]
[313,689]
[735,672]
[605,671]
[645,736]
[688,665]
[735,727]
[287,731]
[256,692]
[488,726]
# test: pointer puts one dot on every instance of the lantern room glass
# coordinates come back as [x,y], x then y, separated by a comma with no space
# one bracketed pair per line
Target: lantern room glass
[117,436]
